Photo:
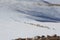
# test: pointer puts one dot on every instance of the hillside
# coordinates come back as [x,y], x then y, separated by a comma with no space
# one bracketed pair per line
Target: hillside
[27,19]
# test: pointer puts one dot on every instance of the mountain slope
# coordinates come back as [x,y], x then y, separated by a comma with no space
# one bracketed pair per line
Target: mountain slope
[19,20]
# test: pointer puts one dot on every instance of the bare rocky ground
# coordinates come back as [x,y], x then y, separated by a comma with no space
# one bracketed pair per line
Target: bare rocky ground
[54,37]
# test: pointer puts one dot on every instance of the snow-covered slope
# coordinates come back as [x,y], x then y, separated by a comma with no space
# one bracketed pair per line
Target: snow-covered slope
[54,1]
[39,13]
[27,19]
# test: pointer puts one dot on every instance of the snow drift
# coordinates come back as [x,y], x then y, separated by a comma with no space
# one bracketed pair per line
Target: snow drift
[18,18]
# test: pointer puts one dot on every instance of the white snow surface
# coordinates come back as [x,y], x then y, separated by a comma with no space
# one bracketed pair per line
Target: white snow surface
[12,22]
[54,1]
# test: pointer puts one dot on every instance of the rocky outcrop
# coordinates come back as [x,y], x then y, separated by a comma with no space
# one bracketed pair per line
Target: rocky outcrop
[54,37]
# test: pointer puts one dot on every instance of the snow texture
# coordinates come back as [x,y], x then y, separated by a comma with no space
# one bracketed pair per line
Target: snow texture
[25,18]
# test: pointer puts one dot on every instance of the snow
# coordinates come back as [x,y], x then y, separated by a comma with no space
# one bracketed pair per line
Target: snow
[54,1]
[16,19]
[11,30]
